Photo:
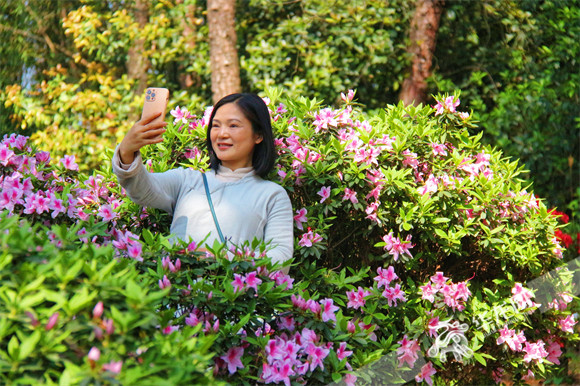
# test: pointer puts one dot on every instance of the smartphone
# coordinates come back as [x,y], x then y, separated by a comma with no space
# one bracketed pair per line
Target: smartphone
[156,99]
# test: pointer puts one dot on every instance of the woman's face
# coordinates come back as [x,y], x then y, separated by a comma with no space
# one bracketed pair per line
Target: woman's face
[232,137]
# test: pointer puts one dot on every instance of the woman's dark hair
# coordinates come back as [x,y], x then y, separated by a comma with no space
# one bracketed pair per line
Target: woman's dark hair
[256,111]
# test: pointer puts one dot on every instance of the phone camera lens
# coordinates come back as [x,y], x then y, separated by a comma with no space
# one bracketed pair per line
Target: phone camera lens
[153,95]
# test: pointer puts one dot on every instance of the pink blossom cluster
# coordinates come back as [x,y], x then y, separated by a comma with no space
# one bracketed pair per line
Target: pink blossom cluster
[567,323]
[396,247]
[249,280]
[392,294]
[328,118]
[209,321]
[408,352]
[323,309]
[522,297]
[27,189]
[454,294]
[513,339]
[291,357]
[449,105]
[478,166]
[309,238]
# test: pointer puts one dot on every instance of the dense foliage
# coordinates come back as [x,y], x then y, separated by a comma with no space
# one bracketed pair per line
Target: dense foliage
[418,250]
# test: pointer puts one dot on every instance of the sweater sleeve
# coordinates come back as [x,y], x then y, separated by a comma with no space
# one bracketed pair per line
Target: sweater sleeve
[279,230]
[157,190]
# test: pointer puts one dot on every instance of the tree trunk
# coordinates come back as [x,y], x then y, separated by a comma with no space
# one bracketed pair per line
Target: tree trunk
[423,38]
[225,68]
[137,63]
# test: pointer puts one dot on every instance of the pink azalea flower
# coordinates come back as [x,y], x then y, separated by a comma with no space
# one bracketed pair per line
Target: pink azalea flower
[392,294]
[323,119]
[430,186]
[350,194]
[348,97]
[396,247]
[535,352]
[511,338]
[106,212]
[316,355]
[5,154]
[192,320]
[313,306]
[554,352]
[192,153]
[356,299]
[252,281]
[300,218]
[567,324]
[426,372]
[308,239]
[408,351]
[282,279]
[342,353]
[233,359]
[180,115]
[350,379]
[438,149]
[410,159]
[69,162]
[328,310]
[428,292]
[451,103]
[433,326]
[134,251]
[113,366]
[287,322]
[324,192]
[238,282]
[439,280]
[385,276]
[522,296]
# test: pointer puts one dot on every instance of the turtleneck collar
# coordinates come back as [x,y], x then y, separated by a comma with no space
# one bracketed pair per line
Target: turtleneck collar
[229,175]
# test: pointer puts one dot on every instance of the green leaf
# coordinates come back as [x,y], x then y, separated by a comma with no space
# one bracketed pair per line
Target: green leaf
[29,344]
[13,346]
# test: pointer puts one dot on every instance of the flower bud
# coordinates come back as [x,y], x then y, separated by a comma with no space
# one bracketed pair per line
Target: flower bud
[51,321]
[98,310]
[94,354]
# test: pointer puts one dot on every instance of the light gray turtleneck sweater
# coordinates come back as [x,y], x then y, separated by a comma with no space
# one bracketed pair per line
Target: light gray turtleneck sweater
[246,205]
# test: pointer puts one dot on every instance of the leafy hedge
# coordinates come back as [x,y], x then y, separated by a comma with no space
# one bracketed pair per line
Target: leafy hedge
[417,253]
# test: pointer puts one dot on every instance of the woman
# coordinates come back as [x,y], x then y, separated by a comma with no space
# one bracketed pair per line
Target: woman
[241,149]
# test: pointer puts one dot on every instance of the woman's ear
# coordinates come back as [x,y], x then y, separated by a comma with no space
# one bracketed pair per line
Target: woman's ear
[259,138]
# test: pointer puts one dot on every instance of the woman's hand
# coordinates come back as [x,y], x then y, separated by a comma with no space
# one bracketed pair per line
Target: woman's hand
[147,131]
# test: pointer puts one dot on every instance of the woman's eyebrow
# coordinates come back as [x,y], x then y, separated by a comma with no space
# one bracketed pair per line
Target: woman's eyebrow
[229,120]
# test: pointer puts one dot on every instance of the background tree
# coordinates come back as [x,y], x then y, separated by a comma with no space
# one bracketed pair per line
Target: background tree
[422,40]
[225,67]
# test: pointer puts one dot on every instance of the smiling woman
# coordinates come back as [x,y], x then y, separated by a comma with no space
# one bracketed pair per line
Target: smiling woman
[241,148]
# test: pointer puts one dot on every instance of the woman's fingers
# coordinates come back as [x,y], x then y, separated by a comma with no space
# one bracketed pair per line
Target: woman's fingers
[150,118]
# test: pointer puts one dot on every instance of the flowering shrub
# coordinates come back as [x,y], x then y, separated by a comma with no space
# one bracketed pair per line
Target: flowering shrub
[420,255]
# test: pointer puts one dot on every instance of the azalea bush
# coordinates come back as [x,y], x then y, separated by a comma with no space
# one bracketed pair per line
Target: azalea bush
[419,255]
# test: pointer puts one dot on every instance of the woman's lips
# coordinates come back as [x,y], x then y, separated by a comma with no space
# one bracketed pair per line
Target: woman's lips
[224,146]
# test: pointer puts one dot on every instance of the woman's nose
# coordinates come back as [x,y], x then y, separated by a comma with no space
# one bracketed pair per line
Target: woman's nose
[223,132]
